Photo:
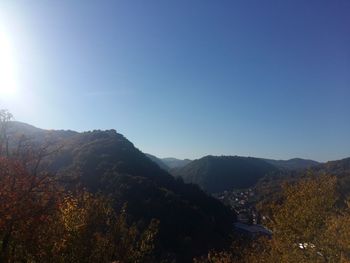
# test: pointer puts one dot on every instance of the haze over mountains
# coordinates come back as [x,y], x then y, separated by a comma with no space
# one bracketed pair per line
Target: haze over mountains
[220,173]
[211,173]
[169,162]
[175,163]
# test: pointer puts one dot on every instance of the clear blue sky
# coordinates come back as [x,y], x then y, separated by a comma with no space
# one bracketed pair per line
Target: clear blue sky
[187,78]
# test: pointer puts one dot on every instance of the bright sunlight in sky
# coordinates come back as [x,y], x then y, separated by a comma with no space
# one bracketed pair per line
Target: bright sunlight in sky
[184,78]
[8,87]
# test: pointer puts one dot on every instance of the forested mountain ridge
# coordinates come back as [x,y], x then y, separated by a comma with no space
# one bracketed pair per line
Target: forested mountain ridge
[191,221]
[293,164]
[158,161]
[338,167]
[219,173]
[270,187]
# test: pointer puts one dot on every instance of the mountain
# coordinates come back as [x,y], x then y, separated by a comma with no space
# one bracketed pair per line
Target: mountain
[191,222]
[269,187]
[158,161]
[339,168]
[168,163]
[175,163]
[219,173]
[293,164]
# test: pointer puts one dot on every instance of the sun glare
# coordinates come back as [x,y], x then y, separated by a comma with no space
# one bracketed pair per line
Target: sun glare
[8,87]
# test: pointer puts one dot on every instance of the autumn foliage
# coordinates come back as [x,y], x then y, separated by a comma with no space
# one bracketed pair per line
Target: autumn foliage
[40,222]
[27,202]
[43,220]
[310,223]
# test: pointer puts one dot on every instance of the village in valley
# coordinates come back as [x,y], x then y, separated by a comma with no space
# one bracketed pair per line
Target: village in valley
[249,220]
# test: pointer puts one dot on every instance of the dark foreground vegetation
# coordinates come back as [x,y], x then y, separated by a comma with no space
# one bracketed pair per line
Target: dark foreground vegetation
[93,197]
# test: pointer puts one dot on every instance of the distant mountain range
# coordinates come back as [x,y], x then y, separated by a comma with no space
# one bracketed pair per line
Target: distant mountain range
[168,163]
[158,161]
[175,163]
[220,173]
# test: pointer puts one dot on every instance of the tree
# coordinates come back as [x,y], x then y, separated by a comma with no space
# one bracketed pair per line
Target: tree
[5,117]
[42,222]
[27,201]
[309,224]
[300,221]
[89,230]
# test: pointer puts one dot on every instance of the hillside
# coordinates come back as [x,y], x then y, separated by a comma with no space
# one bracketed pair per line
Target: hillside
[293,164]
[340,169]
[219,173]
[169,162]
[269,187]
[174,162]
[158,161]
[191,222]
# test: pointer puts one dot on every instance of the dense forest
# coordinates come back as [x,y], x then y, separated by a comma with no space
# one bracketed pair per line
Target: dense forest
[94,197]
[219,173]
